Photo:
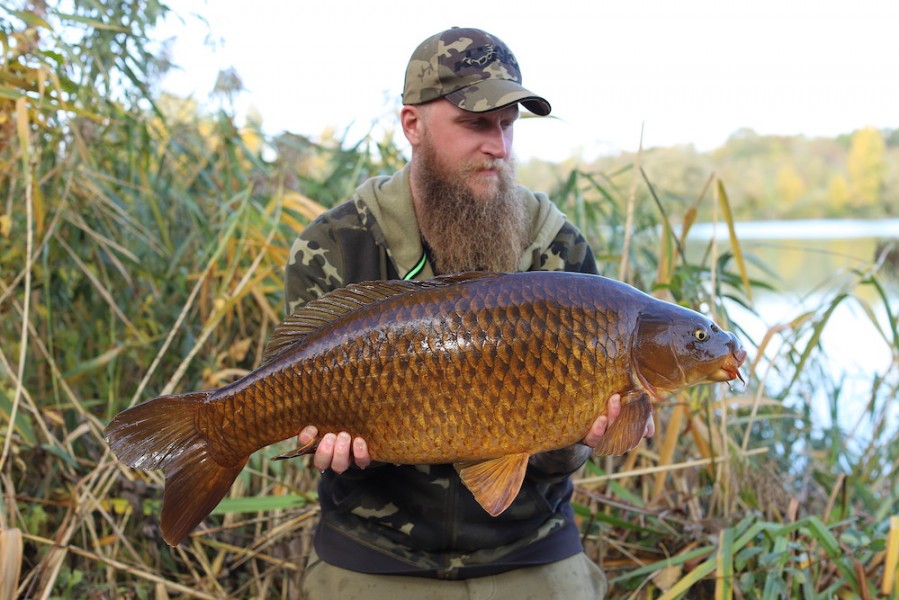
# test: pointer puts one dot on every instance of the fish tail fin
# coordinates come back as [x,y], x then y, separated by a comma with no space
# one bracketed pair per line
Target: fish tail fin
[162,434]
[194,485]
[627,430]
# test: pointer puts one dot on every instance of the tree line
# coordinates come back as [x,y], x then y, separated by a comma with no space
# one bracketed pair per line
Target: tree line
[855,175]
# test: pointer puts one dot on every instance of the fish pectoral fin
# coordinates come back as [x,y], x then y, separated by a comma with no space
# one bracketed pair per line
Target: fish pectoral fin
[494,482]
[627,430]
[307,448]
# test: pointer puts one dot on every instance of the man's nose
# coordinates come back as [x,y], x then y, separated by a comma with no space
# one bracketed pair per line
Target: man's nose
[497,142]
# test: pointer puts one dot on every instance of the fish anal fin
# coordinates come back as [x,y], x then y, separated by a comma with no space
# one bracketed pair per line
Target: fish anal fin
[494,482]
[627,429]
[307,448]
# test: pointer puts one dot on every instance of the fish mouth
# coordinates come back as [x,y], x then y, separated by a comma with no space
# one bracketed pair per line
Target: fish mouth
[724,374]
[730,368]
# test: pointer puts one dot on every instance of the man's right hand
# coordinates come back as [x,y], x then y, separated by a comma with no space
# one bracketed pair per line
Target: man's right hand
[337,452]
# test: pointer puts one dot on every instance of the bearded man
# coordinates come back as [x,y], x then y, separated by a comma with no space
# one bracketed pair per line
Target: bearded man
[415,531]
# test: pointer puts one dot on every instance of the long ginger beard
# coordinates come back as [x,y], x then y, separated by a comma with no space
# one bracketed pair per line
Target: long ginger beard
[467,230]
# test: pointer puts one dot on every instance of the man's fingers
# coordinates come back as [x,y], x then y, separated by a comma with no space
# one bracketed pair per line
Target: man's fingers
[342,458]
[650,429]
[596,431]
[324,454]
[307,435]
[613,408]
[603,422]
[360,453]
[339,451]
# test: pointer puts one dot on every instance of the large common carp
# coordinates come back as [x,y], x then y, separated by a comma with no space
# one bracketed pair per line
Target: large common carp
[479,370]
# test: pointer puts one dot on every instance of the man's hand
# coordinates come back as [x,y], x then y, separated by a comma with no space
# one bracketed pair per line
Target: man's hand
[337,452]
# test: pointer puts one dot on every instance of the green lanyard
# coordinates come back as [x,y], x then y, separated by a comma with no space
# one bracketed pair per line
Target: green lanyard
[418,267]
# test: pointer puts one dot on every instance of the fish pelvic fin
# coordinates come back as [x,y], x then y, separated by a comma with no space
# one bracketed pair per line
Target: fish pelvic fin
[307,448]
[494,482]
[162,434]
[627,430]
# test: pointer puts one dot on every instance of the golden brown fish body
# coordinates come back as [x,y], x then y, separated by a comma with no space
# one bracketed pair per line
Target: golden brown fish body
[439,375]
[481,370]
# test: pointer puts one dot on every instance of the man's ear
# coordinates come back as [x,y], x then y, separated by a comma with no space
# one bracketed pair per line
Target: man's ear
[412,120]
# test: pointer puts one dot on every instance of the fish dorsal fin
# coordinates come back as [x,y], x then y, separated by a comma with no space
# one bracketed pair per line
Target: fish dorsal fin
[454,278]
[495,482]
[319,312]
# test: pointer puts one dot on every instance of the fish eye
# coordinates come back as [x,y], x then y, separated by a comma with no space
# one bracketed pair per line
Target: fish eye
[701,334]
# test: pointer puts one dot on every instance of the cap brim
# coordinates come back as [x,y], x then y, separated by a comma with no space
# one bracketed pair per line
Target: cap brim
[492,94]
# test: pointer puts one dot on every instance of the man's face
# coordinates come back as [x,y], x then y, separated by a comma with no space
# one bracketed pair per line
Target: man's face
[473,147]
[466,200]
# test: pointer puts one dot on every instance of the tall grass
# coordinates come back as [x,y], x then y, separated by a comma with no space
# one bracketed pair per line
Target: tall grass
[142,250]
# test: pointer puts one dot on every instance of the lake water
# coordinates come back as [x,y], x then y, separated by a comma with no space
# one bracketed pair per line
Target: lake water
[814,262]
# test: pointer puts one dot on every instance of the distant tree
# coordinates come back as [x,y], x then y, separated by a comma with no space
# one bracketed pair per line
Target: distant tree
[746,142]
[891,137]
[867,165]
[790,185]
[838,194]
[768,177]
[889,196]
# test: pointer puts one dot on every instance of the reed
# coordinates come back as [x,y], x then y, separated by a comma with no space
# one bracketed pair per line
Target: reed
[143,244]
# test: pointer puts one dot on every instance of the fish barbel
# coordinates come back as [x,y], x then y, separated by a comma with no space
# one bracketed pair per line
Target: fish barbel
[481,370]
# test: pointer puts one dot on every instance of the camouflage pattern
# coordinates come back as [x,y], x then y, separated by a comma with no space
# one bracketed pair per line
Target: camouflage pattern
[420,519]
[472,69]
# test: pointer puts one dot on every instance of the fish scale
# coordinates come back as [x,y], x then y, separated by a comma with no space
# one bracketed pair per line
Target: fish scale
[480,370]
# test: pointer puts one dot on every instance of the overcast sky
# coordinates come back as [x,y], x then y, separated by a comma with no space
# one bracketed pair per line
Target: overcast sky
[687,72]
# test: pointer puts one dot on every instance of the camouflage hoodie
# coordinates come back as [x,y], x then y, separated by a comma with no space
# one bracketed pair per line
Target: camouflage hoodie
[420,520]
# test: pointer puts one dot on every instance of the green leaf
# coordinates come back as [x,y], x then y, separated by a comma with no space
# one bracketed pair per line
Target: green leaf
[703,570]
[816,336]
[260,504]
[22,424]
[734,241]
[663,564]
[58,452]
[625,524]
[94,23]
[30,18]
[724,577]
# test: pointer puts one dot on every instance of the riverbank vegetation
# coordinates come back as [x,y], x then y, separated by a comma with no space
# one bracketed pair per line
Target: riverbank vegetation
[142,244]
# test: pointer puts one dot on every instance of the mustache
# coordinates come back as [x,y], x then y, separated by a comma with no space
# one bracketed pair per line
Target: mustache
[503,167]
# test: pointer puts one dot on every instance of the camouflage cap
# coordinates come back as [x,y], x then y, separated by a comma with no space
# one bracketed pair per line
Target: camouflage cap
[472,69]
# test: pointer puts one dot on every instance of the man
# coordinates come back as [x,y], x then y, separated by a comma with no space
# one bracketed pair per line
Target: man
[402,531]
